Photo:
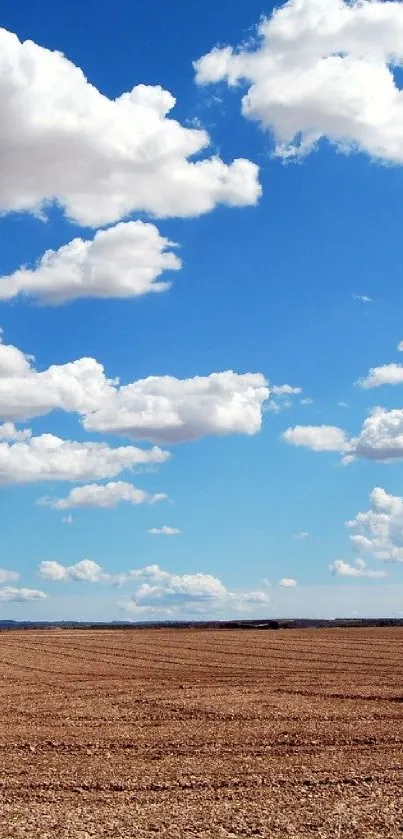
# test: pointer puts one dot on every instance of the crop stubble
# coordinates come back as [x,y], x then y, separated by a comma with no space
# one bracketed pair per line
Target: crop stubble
[209,734]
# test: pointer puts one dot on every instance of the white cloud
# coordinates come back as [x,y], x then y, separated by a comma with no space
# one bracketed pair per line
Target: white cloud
[162,408]
[380,438]
[400,346]
[25,392]
[288,582]
[321,69]
[67,519]
[285,390]
[102,159]
[319,438]
[9,432]
[9,594]
[301,536]
[158,408]
[8,576]
[164,531]
[359,569]
[274,406]
[342,404]
[86,571]
[306,401]
[49,458]
[388,374]
[148,572]
[176,588]
[160,592]
[103,495]
[13,362]
[193,594]
[123,261]
[281,397]
[378,532]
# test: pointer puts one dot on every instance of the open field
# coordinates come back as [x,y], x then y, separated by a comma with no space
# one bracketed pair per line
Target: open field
[208,734]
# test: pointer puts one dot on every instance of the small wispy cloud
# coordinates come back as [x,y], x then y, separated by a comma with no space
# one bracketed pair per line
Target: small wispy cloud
[358,569]
[164,531]
[285,390]
[301,536]
[281,397]
[362,298]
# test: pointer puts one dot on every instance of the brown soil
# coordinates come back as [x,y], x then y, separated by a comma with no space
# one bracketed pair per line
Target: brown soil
[208,734]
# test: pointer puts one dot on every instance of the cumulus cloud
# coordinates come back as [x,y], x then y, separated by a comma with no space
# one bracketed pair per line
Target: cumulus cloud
[188,594]
[13,362]
[103,495]
[102,159]
[165,409]
[9,432]
[319,438]
[86,571]
[175,588]
[123,261]
[49,458]
[288,582]
[10,594]
[159,592]
[25,392]
[321,69]
[380,438]
[158,408]
[164,531]
[359,569]
[378,532]
[388,374]
[8,576]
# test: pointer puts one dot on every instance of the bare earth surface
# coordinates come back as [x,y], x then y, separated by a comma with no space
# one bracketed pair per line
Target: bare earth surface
[209,734]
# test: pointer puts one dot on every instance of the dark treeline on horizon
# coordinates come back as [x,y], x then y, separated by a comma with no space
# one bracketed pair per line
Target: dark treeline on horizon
[271,624]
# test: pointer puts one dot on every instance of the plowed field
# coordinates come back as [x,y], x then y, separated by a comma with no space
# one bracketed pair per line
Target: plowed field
[209,734]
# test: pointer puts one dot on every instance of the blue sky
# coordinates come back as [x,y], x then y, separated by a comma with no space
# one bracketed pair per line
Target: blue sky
[300,284]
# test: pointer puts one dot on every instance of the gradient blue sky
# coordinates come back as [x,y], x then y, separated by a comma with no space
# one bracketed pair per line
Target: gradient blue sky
[273,288]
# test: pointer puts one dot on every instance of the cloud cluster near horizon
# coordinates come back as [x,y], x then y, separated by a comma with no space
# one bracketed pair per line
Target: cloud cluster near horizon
[158,592]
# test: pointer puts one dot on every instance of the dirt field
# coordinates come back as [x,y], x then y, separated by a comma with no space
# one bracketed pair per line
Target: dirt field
[208,734]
